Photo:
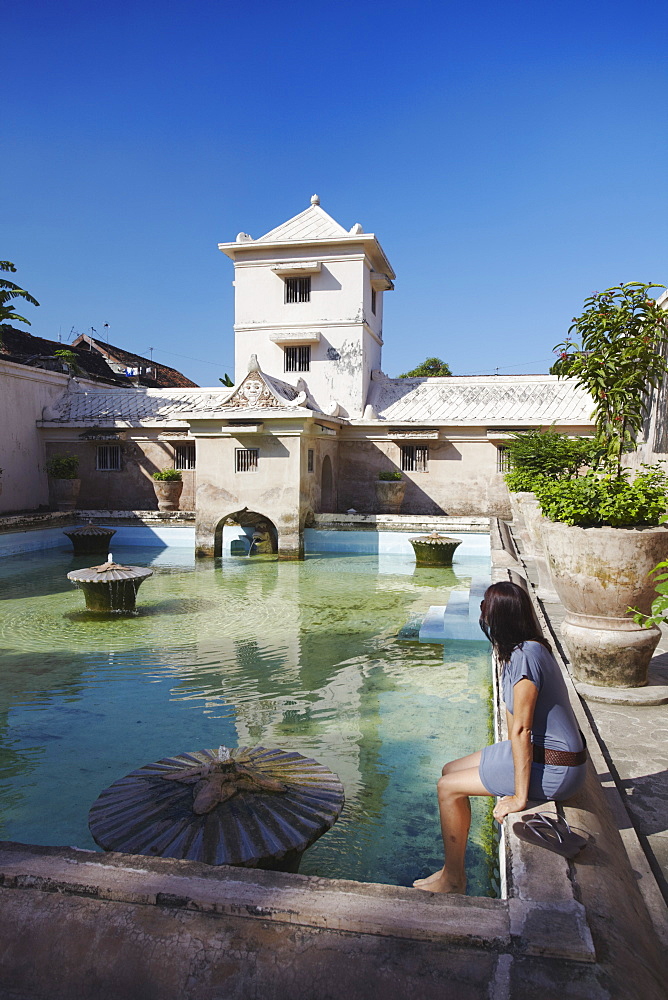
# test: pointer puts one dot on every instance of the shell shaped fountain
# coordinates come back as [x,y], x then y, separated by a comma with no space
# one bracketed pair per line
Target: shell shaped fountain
[434,549]
[90,539]
[252,807]
[110,587]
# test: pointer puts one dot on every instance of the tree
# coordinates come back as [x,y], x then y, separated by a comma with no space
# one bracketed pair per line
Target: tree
[620,357]
[9,291]
[430,368]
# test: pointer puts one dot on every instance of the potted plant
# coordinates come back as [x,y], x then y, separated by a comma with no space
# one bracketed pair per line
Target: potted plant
[168,487]
[602,533]
[63,471]
[390,490]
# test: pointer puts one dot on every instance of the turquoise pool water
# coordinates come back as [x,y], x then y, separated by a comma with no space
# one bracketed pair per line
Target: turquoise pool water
[302,656]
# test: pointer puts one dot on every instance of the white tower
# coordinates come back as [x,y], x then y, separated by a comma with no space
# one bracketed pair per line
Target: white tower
[309,304]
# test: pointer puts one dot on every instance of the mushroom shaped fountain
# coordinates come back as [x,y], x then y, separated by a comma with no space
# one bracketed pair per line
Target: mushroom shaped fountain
[434,549]
[90,539]
[251,807]
[110,587]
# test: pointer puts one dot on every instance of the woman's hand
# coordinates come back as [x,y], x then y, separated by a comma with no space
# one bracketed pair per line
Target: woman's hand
[508,804]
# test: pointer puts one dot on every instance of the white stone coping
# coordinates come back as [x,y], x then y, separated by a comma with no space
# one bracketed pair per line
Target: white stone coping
[400,522]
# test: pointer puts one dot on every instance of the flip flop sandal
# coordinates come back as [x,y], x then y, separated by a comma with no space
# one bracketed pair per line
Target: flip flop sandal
[543,831]
[561,826]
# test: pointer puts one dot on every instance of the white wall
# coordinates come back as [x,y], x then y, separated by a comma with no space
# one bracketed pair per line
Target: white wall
[339,311]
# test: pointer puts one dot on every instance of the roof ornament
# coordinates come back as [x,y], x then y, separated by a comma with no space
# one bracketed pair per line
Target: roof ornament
[315,200]
[357,229]
[253,364]
[244,238]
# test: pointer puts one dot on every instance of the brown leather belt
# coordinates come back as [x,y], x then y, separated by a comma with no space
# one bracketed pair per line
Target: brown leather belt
[559,758]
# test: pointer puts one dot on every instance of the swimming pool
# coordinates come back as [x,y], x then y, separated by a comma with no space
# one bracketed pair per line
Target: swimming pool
[303,656]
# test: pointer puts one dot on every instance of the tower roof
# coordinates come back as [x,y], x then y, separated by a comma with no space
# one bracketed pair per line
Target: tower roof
[311,224]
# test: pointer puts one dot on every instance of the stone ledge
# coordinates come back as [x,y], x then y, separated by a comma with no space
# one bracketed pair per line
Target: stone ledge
[332,904]
[399,522]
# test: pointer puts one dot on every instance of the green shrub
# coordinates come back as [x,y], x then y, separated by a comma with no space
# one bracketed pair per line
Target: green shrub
[389,477]
[522,481]
[595,500]
[168,476]
[536,454]
[63,467]
[659,612]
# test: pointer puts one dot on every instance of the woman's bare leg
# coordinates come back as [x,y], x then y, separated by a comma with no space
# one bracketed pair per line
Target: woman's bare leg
[454,808]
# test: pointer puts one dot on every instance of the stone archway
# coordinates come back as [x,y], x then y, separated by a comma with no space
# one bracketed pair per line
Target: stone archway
[327,495]
[258,529]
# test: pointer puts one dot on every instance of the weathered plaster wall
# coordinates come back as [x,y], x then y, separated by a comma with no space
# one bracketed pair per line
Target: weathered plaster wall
[274,490]
[23,394]
[461,477]
[130,488]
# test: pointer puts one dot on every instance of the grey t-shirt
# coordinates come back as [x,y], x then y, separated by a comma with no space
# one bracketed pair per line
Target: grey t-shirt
[554,724]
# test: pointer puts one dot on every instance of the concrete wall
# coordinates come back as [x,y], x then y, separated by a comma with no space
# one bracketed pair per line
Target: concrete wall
[24,392]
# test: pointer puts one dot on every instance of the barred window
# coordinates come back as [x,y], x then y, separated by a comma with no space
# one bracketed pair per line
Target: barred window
[414,457]
[502,460]
[246,459]
[184,457]
[298,359]
[298,289]
[108,458]
[309,460]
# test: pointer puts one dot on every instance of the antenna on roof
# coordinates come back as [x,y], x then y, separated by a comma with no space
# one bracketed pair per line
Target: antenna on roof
[151,349]
[106,329]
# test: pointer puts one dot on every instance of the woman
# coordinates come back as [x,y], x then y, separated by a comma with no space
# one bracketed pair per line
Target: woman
[540,722]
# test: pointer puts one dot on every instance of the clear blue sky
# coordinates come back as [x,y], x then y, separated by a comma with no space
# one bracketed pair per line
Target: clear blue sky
[511,157]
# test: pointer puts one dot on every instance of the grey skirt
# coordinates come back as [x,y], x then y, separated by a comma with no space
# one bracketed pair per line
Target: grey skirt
[547,781]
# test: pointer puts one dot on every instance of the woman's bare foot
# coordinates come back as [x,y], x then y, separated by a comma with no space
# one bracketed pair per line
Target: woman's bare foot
[440,881]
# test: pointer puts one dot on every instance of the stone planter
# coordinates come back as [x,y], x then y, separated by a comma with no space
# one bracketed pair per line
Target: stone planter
[65,493]
[599,573]
[168,493]
[390,495]
[434,549]
[517,501]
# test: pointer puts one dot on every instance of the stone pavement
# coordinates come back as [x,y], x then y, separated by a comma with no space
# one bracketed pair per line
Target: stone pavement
[635,743]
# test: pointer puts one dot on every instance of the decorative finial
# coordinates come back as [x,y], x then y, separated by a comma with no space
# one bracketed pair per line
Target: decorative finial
[315,200]
[253,364]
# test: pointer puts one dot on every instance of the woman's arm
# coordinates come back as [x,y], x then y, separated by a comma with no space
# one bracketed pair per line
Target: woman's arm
[525,694]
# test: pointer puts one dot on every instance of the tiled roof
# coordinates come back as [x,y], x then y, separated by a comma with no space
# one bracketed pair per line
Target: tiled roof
[134,405]
[138,404]
[312,224]
[23,348]
[161,377]
[489,399]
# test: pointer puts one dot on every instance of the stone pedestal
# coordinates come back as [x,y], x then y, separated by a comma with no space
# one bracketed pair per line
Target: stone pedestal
[434,549]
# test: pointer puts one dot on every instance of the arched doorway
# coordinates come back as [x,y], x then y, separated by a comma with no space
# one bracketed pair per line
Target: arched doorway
[327,498]
[256,530]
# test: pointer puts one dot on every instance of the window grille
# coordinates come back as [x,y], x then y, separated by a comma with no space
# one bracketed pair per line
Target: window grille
[298,289]
[309,460]
[373,301]
[298,359]
[184,457]
[502,460]
[246,459]
[414,457]
[108,458]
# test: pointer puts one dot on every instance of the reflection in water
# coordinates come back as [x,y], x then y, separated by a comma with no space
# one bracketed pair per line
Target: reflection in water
[298,655]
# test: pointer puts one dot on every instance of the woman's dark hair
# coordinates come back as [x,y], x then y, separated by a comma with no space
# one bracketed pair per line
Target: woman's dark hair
[508,619]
